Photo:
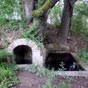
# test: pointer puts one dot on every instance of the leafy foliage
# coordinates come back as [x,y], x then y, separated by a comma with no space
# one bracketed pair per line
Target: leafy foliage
[84,55]
[32,33]
[4,54]
[6,6]
[9,9]
[80,18]
[49,82]
[7,75]
[55,14]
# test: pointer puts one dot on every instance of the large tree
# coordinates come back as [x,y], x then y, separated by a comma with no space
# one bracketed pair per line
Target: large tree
[60,32]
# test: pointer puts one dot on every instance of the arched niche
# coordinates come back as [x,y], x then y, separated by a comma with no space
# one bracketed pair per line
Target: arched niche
[27,46]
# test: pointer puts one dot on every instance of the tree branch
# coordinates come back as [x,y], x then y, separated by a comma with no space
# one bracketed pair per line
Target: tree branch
[43,9]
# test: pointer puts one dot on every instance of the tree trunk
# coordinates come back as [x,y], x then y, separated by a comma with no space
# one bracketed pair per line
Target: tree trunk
[28,7]
[65,21]
[56,40]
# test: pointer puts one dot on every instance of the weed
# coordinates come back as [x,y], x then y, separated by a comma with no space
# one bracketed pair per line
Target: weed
[62,67]
[49,82]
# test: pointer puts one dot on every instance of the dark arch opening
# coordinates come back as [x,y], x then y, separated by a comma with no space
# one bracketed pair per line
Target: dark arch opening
[61,61]
[23,54]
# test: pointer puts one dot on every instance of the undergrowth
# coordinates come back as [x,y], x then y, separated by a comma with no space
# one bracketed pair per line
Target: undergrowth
[7,75]
[84,55]
[49,82]
[5,56]
[32,33]
[4,53]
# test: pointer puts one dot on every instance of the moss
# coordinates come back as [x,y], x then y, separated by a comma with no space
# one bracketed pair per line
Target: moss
[42,9]
[53,26]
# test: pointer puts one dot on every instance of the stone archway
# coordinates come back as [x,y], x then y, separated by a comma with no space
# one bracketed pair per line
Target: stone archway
[37,57]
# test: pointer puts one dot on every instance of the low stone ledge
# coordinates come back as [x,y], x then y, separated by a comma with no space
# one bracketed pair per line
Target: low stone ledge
[72,73]
[62,73]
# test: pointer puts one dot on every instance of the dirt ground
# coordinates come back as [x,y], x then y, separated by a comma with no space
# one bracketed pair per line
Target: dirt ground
[30,80]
